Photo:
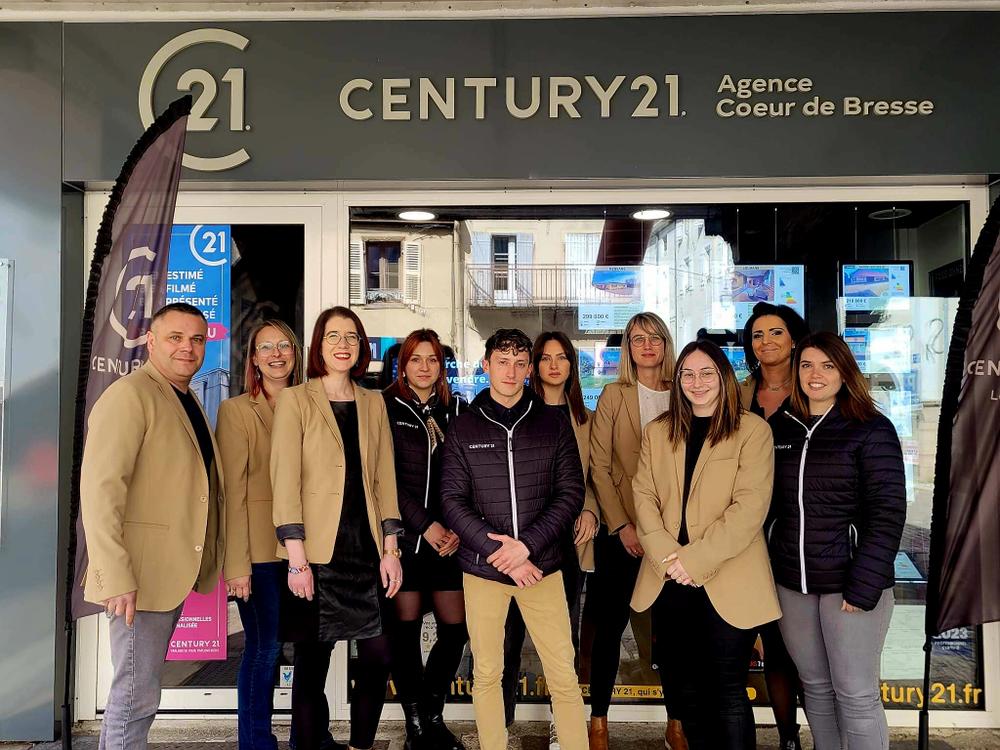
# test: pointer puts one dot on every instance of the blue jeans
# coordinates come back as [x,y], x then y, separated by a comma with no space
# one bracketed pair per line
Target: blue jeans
[255,683]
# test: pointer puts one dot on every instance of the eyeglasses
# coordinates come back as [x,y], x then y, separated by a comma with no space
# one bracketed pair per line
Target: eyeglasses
[705,376]
[267,347]
[640,340]
[334,337]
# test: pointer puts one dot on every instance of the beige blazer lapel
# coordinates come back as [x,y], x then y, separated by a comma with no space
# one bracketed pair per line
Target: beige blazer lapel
[263,411]
[631,394]
[704,457]
[167,390]
[321,402]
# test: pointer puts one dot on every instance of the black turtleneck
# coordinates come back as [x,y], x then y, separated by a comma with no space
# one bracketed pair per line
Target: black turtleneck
[695,442]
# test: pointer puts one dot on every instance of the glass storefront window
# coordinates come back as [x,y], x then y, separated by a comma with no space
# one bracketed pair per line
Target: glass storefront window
[585,270]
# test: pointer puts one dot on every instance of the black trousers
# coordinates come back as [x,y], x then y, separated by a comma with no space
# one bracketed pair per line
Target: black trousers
[609,593]
[310,710]
[514,630]
[705,676]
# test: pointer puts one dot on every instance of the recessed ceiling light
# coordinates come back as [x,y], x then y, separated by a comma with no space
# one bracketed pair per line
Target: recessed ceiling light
[417,216]
[651,214]
[886,214]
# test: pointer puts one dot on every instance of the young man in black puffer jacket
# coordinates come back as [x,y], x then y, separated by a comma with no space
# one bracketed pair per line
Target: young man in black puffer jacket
[511,489]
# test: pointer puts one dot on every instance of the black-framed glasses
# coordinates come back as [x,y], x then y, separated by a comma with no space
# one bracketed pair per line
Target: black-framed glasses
[267,347]
[640,339]
[334,337]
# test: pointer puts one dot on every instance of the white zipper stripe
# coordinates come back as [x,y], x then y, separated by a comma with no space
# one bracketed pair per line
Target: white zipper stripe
[802,507]
[427,485]
[510,460]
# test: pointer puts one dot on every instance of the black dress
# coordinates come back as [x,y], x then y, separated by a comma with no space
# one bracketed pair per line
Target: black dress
[349,601]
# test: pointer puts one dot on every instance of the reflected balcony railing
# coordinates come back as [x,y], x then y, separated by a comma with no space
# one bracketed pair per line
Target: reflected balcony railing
[534,285]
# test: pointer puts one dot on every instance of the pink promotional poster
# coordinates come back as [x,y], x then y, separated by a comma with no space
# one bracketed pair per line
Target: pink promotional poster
[201,632]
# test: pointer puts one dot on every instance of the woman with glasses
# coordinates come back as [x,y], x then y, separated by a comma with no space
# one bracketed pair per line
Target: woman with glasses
[624,409]
[273,361]
[420,409]
[555,376]
[769,339]
[702,491]
[337,518]
[839,509]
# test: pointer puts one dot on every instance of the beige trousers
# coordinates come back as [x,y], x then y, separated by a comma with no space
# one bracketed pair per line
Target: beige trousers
[546,616]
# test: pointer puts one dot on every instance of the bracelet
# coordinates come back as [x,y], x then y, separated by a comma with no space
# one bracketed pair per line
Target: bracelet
[295,571]
[395,552]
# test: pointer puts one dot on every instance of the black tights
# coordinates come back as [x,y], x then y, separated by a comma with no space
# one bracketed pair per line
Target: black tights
[610,589]
[783,683]
[310,710]
[412,680]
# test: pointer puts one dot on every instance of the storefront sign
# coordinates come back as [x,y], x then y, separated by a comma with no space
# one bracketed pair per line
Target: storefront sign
[656,97]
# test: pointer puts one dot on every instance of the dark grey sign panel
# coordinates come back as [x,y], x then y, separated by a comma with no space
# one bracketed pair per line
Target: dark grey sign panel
[708,96]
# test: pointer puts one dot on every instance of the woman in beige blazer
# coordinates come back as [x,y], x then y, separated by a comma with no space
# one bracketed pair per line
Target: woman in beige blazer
[641,394]
[273,361]
[337,517]
[702,490]
[555,376]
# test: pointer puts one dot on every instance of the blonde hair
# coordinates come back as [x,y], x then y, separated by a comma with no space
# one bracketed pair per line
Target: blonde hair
[652,323]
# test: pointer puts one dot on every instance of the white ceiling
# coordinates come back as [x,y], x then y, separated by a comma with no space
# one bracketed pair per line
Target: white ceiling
[83,10]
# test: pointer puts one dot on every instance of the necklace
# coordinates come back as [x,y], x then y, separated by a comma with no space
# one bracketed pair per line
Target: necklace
[779,386]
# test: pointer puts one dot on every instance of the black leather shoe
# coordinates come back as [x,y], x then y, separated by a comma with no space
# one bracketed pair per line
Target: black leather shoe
[416,728]
[438,735]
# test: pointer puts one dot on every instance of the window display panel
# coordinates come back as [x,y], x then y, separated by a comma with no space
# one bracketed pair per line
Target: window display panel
[902,352]
[585,270]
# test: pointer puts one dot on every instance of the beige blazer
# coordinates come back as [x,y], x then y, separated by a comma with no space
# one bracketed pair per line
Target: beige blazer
[308,468]
[585,551]
[728,501]
[747,387]
[243,429]
[152,518]
[614,452]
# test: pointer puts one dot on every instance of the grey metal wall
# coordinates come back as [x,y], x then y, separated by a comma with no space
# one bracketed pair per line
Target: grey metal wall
[30,216]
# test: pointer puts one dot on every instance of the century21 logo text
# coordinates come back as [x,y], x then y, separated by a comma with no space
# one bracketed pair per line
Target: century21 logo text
[234,79]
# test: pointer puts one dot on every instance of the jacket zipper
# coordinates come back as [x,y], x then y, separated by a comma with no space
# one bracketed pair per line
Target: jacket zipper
[510,461]
[802,506]
[427,483]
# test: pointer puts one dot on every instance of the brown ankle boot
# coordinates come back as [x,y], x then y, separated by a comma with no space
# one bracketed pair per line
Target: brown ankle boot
[674,738]
[598,733]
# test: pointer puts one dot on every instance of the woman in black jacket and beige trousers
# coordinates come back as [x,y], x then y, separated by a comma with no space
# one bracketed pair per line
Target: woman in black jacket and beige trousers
[839,506]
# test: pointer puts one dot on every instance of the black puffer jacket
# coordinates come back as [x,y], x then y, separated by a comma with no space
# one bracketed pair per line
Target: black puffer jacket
[852,500]
[483,447]
[418,471]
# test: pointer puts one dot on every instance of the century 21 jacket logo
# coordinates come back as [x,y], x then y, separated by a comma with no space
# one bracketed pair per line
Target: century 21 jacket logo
[234,79]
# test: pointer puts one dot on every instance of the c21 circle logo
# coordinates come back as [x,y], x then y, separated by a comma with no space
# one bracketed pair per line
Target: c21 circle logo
[234,78]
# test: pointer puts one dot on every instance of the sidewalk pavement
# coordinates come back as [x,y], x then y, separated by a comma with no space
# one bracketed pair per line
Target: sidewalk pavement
[220,734]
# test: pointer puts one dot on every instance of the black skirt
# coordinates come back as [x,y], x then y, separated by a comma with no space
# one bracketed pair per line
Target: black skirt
[349,601]
[425,570]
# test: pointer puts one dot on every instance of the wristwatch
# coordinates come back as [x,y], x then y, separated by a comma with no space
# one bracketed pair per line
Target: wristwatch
[395,552]
[295,571]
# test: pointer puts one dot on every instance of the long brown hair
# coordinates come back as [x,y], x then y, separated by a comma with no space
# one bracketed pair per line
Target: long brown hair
[317,366]
[726,418]
[855,401]
[574,394]
[646,321]
[252,379]
[399,386]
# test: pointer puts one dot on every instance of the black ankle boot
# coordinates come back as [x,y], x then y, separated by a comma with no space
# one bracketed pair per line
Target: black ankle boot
[416,728]
[438,735]
[791,743]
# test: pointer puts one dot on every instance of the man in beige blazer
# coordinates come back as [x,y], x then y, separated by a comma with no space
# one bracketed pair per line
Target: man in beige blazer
[152,506]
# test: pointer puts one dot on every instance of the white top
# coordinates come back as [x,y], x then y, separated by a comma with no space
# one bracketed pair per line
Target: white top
[651,404]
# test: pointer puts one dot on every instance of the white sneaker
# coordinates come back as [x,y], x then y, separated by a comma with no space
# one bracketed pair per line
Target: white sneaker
[553,738]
